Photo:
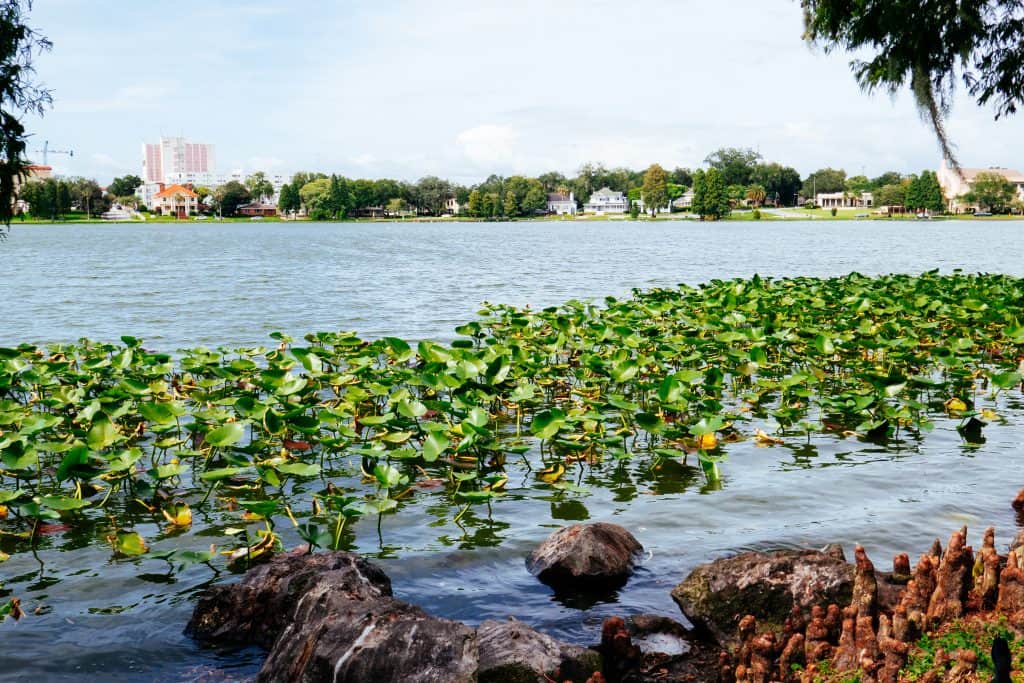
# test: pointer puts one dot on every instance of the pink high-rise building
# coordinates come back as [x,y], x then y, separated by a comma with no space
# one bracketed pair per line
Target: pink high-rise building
[175,156]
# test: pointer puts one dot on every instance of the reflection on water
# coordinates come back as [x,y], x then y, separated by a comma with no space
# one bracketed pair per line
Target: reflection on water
[232,284]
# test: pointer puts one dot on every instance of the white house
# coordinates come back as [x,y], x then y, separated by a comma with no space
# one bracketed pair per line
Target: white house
[843,200]
[452,206]
[956,184]
[685,201]
[606,200]
[561,205]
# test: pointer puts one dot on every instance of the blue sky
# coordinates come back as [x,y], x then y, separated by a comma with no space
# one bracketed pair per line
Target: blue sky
[462,89]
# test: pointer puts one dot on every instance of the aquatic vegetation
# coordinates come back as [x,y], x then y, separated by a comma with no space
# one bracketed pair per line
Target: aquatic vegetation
[317,432]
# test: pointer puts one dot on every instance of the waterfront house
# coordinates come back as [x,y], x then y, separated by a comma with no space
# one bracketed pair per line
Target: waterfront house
[607,200]
[257,209]
[844,200]
[955,184]
[452,206]
[684,201]
[561,205]
[177,200]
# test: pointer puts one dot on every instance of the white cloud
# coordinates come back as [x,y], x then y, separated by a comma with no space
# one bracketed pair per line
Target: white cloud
[490,145]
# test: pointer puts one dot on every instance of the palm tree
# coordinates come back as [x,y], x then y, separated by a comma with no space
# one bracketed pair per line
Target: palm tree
[756,195]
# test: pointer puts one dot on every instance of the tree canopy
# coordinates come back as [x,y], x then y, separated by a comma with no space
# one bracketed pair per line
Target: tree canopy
[655,188]
[992,191]
[735,164]
[124,186]
[925,46]
[19,95]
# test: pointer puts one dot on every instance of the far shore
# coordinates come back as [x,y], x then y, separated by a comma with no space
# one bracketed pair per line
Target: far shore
[773,215]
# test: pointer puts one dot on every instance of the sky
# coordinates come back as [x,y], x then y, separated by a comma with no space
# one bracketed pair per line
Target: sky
[466,88]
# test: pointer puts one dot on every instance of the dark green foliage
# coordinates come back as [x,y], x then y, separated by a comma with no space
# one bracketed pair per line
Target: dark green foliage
[824,180]
[736,165]
[229,196]
[124,186]
[781,183]
[926,46]
[19,95]
[992,191]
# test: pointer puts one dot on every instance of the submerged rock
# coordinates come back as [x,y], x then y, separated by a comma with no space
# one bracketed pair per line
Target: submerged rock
[765,585]
[512,652]
[586,555]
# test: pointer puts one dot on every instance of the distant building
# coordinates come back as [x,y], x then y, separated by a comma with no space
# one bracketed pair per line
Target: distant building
[452,206]
[177,200]
[176,155]
[561,205]
[257,209]
[956,184]
[684,201]
[844,200]
[606,200]
[642,207]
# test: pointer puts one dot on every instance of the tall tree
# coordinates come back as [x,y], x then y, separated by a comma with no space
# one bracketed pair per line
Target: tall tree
[19,96]
[432,192]
[735,164]
[931,192]
[655,189]
[824,180]
[700,191]
[926,47]
[682,176]
[475,204]
[716,197]
[510,208]
[992,191]
[230,196]
[781,183]
[288,200]
[259,187]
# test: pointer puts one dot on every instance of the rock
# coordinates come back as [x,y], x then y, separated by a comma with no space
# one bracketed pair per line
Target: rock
[586,554]
[263,603]
[512,652]
[330,616]
[766,585]
[372,640]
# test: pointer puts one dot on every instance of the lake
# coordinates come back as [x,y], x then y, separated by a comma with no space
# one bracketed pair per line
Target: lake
[232,284]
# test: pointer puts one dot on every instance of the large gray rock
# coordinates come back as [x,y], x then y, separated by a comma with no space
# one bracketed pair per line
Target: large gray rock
[256,610]
[373,640]
[586,554]
[330,616]
[717,595]
[512,652]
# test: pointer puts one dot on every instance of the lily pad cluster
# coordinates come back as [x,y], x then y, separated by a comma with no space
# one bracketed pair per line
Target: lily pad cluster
[93,431]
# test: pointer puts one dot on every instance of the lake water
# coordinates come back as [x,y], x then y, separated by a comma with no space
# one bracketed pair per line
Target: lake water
[232,284]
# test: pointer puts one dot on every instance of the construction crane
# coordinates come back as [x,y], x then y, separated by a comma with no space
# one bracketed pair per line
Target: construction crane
[46,152]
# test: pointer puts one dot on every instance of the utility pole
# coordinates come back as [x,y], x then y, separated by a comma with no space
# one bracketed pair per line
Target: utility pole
[46,152]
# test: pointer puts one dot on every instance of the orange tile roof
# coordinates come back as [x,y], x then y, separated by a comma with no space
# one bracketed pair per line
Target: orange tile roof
[173,190]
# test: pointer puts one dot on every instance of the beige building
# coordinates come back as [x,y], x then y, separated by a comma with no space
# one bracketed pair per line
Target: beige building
[956,184]
[176,200]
